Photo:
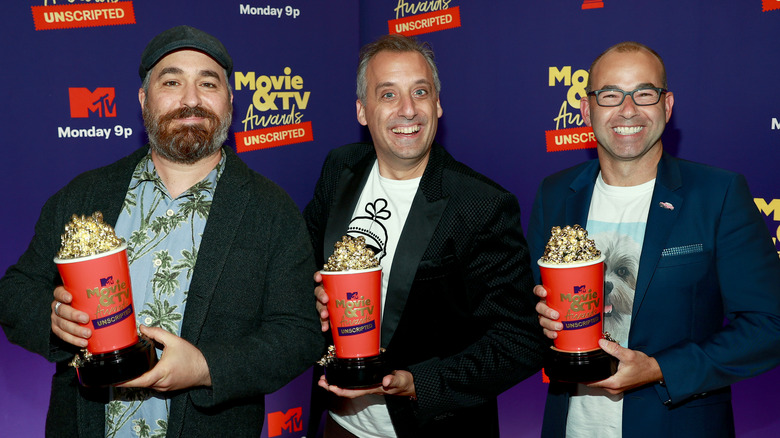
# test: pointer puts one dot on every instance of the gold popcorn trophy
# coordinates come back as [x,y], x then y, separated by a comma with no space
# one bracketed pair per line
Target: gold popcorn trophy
[352,278]
[572,271]
[94,269]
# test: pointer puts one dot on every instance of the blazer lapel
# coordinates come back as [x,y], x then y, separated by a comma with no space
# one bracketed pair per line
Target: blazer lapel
[228,208]
[578,202]
[427,207]
[347,195]
[664,210]
[419,227]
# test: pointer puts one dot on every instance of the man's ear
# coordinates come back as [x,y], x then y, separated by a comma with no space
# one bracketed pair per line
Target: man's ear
[585,110]
[361,112]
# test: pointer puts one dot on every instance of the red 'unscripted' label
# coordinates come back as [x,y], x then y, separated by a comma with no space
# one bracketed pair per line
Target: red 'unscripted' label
[84,15]
[426,23]
[570,139]
[274,136]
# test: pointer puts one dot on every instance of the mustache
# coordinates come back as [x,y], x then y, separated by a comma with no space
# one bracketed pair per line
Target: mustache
[185,112]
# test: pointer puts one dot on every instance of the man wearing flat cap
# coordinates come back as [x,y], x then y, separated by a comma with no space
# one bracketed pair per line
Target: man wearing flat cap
[219,260]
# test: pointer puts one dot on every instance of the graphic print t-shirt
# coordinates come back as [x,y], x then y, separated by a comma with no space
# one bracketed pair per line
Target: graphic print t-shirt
[379,217]
[616,222]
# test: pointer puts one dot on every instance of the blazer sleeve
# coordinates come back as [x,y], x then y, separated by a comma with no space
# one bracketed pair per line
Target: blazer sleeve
[536,234]
[27,287]
[26,290]
[748,274]
[317,210]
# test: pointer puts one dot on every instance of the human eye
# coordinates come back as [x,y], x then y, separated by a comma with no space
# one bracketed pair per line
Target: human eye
[609,97]
[388,95]
[611,94]
[646,96]
[420,92]
[645,92]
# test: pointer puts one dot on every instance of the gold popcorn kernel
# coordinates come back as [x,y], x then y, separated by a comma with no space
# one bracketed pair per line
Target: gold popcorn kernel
[86,236]
[351,253]
[570,244]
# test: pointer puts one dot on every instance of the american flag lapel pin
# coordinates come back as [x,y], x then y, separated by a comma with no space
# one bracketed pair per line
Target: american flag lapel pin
[666,205]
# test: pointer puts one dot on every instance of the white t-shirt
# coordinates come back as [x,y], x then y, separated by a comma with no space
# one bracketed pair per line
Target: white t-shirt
[379,217]
[616,222]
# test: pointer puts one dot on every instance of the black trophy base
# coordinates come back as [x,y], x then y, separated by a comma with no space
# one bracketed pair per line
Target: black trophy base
[106,369]
[580,366]
[361,372]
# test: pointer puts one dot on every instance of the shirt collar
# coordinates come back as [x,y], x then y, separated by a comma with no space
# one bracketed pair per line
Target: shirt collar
[145,172]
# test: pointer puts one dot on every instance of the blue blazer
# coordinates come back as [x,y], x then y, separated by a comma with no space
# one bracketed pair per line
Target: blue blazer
[707,302]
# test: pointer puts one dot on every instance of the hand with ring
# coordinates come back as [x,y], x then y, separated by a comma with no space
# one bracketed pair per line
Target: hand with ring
[67,323]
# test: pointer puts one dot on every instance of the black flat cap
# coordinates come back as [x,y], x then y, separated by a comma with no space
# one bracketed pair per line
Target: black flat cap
[183,37]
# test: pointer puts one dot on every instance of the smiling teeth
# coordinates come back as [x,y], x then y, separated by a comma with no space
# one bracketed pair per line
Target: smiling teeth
[627,130]
[406,129]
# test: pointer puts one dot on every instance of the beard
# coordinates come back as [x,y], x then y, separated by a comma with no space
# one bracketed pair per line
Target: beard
[186,144]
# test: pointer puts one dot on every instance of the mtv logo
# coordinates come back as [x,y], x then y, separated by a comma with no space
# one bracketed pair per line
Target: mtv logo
[291,421]
[579,289]
[108,281]
[352,295]
[84,102]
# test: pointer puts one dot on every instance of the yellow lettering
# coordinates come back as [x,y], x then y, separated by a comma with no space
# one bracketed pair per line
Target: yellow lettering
[772,208]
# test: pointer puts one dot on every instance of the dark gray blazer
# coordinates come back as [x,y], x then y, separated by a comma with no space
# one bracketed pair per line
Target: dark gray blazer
[460,309]
[250,308]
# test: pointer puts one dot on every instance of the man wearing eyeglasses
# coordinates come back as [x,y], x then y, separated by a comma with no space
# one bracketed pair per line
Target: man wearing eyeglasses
[691,274]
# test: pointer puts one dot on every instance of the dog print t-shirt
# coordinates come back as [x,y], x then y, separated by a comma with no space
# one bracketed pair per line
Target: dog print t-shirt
[616,222]
[379,217]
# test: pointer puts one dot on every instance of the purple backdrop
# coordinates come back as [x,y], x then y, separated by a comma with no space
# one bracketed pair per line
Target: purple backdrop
[511,73]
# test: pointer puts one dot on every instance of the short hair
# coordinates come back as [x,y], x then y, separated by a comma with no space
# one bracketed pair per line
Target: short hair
[629,47]
[393,43]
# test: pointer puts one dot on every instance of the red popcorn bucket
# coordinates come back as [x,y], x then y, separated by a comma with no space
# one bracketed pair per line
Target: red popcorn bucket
[100,286]
[354,306]
[576,292]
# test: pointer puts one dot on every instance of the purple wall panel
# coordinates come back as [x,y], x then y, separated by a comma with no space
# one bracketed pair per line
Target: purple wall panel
[498,99]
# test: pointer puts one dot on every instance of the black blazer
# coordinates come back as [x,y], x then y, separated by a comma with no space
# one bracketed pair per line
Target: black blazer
[459,313]
[249,308]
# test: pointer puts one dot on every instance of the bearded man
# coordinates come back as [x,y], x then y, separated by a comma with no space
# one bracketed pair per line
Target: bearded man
[219,260]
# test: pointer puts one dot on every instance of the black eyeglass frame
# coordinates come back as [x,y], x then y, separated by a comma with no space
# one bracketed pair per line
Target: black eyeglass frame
[627,93]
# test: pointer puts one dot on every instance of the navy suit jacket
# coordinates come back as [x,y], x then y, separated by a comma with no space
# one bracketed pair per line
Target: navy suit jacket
[707,260]
[460,311]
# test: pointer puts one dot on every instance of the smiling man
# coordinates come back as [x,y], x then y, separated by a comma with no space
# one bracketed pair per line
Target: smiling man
[686,249]
[457,320]
[219,260]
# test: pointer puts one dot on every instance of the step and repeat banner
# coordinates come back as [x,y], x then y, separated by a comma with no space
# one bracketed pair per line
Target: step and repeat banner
[512,75]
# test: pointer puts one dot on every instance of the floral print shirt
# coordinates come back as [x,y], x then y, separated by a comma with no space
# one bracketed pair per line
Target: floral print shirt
[163,236]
